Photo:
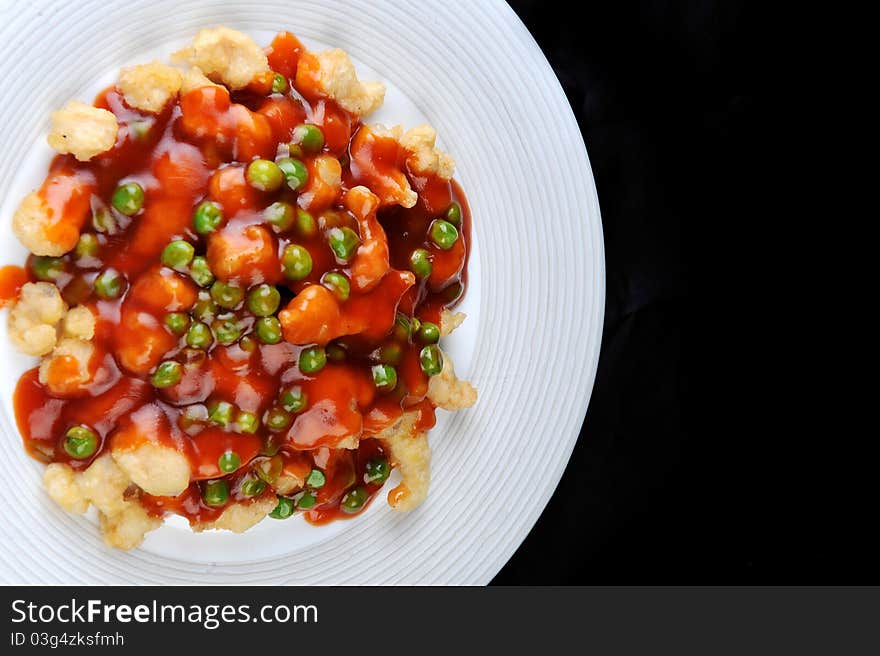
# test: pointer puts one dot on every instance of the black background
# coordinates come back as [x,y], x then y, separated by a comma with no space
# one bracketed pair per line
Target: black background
[662,487]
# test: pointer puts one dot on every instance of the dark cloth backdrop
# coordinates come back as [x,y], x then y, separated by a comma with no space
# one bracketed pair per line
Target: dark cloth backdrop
[663,95]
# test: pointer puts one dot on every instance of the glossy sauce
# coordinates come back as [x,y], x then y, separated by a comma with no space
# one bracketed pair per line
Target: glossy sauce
[197,149]
[11,280]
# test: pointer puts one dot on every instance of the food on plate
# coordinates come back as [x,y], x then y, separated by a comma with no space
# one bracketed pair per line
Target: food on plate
[237,287]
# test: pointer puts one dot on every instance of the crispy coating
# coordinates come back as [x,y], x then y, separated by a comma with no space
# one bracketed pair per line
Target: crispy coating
[156,469]
[33,319]
[390,185]
[287,483]
[408,197]
[242,255]
[226,56]
[123,523]
[239,517]
[424,156]
[104,485]
[126,529]
[60,482]
[446,391]
[82,130]
[324,185]
[193,79]
[351,442]
[450,321]
[410,450]
[30,224]
[394,132]
[66,370]
[149,87]
[79,322]
[371,260]
[337,79]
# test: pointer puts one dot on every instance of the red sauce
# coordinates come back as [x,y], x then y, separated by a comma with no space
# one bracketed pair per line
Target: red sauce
[11,280]
[197,149]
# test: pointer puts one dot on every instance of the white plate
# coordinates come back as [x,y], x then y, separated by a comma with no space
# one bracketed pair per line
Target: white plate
[535,302]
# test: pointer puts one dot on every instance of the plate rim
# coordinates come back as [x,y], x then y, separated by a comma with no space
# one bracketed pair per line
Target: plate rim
[490,569]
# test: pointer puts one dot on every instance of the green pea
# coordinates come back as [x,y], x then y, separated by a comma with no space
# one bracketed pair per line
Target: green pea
[335,219]
[294,399]
[80,442]
[283,510]
[205,308]
[207,217]
[128,198]
[278,419]
[296,262]
[263,300]
[443,234]
[402,327]
[295,172]
[178,254]
[390,353]
[109,284]
[247,344]
[384,377]
[227,331]
[453,214]
[312,359]
[305,223]
[247,422]
[87,246]
[47,269]
[229,462]
[268,330]
[335,353]
[168,373]
[220,413]
[177,322]
[305,500]
[226,294]
[431,359]
[316,479]
[354,500]
[198,335]
[420,263]
[308,137]
[215,493]
[280,215]
[338,284]
[264,175]
[200,272]
[279,83]
[377,471]
[343,242]
[429,333]
[252,487]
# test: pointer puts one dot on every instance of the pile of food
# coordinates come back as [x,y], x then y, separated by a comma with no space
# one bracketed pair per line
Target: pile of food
[237,289]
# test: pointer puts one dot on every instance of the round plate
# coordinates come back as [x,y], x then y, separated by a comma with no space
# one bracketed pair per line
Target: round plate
[535,301]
